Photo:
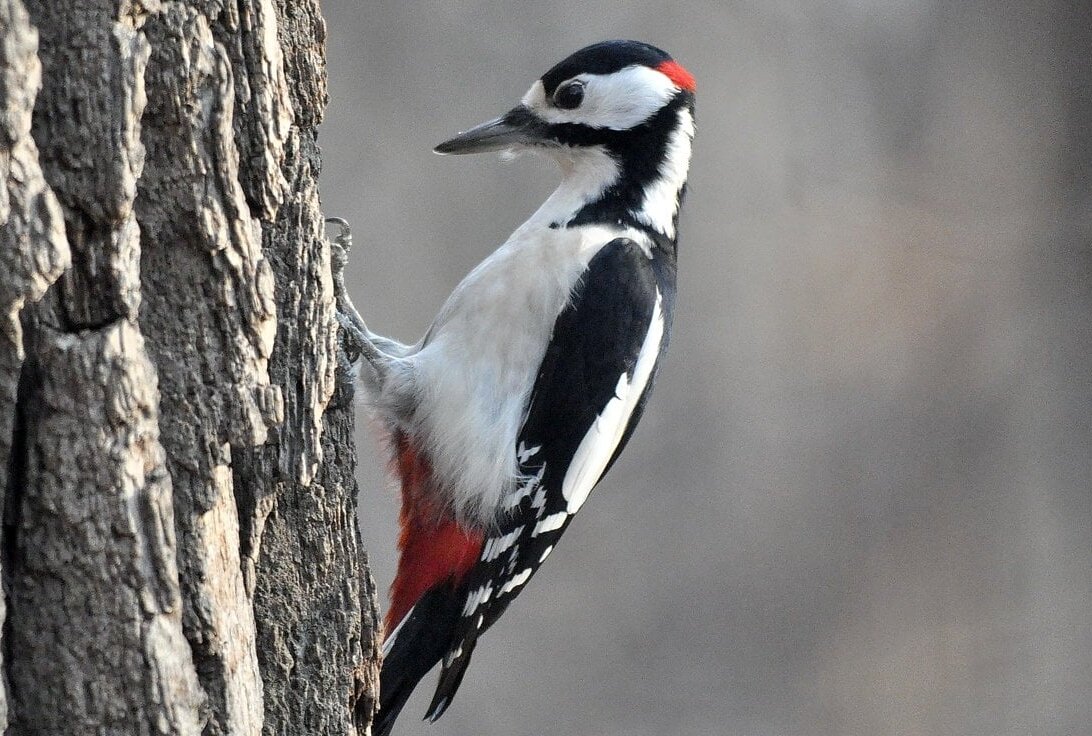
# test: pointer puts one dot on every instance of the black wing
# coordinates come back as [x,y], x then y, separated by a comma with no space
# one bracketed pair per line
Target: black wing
[587,399]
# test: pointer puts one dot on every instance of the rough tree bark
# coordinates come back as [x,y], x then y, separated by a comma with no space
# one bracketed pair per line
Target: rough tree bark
[179,546]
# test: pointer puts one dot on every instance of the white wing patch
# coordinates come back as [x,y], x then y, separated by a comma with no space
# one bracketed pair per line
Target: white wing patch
[476,598]
[528,485]
[550,523]
[497,546]
[606,432]
[515,582]
[525,453]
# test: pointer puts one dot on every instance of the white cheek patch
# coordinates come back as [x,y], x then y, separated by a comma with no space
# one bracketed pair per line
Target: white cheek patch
[617,101]
[598,445]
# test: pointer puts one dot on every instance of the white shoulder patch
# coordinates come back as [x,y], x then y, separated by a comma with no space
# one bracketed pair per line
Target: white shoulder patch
[606,432]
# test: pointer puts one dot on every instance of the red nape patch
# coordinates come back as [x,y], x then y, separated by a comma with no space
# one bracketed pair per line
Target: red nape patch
[674,71]
[434,547]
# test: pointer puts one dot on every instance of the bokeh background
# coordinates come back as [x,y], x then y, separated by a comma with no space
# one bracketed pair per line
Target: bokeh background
[861,499]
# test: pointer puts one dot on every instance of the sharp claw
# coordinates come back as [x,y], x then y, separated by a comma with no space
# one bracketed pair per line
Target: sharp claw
[339,248]
[345,237]
[355,335]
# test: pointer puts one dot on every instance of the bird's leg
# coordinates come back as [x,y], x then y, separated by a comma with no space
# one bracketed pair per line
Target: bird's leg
[359,340]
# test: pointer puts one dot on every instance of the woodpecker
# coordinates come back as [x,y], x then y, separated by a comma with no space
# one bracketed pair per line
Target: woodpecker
[531,379]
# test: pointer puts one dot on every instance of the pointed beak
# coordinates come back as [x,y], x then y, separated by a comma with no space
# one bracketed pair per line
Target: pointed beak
[519,127]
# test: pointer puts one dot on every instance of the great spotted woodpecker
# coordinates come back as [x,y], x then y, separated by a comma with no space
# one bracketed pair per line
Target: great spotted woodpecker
[535,372]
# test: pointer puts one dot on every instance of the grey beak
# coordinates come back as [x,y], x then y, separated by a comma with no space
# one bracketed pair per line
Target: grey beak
[517,128]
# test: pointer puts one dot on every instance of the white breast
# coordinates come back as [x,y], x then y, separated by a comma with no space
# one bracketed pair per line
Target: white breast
[468,385]
[474,374]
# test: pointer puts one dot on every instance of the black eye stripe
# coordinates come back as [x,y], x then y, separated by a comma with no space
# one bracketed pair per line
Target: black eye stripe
[569,96]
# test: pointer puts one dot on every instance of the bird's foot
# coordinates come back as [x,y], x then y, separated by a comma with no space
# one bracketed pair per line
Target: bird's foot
[351,337]
[356,339]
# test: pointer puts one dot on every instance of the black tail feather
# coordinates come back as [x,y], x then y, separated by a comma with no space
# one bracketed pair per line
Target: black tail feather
[449,682]
[421,641]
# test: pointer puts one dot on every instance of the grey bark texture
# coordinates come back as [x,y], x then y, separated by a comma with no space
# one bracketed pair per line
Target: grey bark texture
[179,546]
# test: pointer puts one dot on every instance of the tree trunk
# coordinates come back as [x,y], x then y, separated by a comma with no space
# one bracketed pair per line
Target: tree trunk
[179,549]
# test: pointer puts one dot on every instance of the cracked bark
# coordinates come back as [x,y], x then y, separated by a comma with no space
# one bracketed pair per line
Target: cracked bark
[179,544]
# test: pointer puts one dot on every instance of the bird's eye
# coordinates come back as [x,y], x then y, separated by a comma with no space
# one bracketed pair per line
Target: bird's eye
[569,96]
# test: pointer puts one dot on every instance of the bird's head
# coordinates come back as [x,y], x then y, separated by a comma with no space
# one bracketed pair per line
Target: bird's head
[607,95]
[618,116]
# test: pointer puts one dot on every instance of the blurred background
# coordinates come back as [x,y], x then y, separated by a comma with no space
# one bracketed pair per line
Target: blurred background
[860,501]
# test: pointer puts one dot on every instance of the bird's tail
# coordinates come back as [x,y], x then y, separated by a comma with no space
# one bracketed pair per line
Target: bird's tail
[427,593]
[412,649]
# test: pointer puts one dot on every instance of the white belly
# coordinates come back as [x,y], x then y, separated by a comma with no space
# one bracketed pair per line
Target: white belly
[473,376]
